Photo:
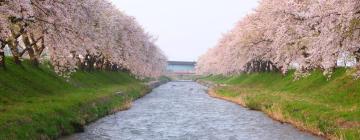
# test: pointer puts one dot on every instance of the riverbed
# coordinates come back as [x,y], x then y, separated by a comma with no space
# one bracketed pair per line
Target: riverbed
[184,111]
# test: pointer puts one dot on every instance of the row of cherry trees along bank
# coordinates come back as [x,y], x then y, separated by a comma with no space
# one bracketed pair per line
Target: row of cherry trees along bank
[285,34]
[80,34]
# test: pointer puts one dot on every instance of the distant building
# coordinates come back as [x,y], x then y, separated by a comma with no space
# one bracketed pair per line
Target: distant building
[181,67]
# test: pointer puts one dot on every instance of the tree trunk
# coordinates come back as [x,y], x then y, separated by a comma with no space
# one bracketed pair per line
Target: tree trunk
[248,65]
[2,56]
[33,59]
[91,62]
[114,67]
[79,63]
[260,66]
[257,66]
[357,56]
[107,65]
[263,66]
[102,63]
[13,45]
[98,61]
[87,62]
[268,66]
[40,50]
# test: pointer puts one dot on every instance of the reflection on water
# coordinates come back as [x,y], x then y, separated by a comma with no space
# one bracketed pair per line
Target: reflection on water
[183,111]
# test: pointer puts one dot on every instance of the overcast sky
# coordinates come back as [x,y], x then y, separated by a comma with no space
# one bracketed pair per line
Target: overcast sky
[186,28]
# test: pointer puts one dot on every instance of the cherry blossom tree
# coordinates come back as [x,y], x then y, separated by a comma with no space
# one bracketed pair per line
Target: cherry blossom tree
[77,35]
[284,34]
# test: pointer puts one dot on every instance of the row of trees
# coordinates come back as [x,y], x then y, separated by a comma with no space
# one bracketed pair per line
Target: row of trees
[284,34]
[77,34]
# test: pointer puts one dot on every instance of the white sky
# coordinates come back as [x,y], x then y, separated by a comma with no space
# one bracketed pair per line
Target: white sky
[186,28]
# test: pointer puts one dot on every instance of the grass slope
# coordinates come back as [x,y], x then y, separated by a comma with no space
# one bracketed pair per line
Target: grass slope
[325,107]
[37,104]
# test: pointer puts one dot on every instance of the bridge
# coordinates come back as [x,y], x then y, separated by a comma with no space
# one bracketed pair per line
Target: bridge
[181,70]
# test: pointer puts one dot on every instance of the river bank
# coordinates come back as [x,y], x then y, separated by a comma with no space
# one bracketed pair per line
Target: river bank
[329,108]
[35,103]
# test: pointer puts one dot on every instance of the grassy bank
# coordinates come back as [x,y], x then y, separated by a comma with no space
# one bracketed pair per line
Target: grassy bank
[37,104]
[325,107]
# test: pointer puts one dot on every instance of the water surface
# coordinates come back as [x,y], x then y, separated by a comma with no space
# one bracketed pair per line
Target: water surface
[183,111]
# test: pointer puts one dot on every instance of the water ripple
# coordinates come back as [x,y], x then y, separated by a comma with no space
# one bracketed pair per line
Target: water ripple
[183,111]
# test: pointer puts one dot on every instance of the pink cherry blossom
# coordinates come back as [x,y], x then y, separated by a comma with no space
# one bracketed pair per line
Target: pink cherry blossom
[82,34]
[288,34]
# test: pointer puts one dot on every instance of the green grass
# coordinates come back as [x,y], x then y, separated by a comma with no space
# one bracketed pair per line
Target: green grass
[37,104]
[331,107]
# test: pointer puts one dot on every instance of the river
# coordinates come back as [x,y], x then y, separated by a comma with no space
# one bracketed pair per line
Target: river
[183,111]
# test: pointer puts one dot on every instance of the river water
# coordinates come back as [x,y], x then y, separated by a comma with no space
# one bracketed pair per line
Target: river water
[183,111]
